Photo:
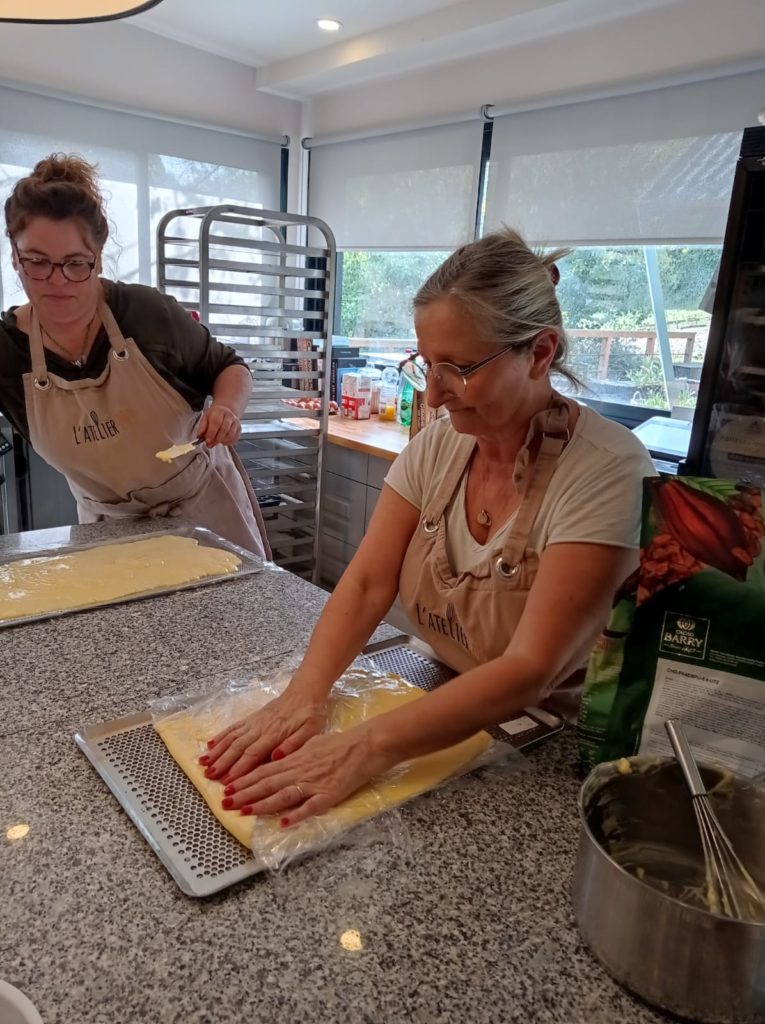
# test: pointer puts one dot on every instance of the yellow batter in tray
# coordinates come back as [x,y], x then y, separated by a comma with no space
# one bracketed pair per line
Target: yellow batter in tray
[99,575]
[185,735]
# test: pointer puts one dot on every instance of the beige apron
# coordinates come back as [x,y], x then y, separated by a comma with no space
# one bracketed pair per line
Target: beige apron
[102,433]
[470,618]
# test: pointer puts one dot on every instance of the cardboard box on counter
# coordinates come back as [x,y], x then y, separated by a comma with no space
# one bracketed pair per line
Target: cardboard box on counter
[356,400]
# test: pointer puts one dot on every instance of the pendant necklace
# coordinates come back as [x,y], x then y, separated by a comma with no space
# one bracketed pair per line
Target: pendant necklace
[483,518]
[81,359]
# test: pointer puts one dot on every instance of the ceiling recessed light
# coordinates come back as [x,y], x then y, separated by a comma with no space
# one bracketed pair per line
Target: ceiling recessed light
[329,24]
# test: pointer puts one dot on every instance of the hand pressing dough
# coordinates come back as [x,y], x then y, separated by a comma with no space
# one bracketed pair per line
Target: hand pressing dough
[185,735]
[36,586]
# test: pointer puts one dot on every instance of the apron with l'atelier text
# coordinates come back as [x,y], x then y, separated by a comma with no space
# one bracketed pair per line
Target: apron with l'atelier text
[469,618]
[102,433]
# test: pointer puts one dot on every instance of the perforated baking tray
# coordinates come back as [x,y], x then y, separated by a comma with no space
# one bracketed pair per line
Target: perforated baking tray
[170,814]
[249,563]
[409,657]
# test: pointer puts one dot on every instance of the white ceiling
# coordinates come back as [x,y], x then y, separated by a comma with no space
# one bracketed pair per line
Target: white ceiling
[259,33]
[384,38]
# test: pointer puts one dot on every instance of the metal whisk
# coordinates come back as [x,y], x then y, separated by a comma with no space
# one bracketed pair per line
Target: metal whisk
[731,890]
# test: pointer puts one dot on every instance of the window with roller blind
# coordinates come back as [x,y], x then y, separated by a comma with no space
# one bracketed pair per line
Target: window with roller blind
[638,187]
[147,167]
[397,204]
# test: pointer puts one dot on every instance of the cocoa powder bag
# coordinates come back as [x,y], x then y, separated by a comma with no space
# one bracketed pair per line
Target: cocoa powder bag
[686,637]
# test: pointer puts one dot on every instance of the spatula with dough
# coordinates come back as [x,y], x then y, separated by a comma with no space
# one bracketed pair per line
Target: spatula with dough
[176,450]
[185,735]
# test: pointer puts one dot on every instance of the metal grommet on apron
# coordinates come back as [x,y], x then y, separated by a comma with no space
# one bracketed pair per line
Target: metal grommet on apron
[430,526]
[502,568]
[102,434]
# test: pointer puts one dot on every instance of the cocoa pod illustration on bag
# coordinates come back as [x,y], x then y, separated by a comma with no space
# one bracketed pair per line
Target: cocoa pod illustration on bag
[705,526]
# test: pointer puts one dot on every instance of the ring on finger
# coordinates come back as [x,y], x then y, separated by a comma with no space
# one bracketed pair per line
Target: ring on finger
[299,788]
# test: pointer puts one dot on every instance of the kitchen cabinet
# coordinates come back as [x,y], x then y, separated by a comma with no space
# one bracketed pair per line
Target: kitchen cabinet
[348,500]
[352,486]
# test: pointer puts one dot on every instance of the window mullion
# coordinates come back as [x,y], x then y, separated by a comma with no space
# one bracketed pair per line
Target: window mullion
[657,304]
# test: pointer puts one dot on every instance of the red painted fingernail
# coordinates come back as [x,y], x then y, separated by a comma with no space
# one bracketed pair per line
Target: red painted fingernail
[277,755]
[228,803]
[247,810]
[211,743]
[228,791]
[210,773]
[284,822]
[204,759]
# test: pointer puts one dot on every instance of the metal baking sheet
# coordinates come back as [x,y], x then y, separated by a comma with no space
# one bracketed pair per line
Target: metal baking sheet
[170,814]
[165,807]
[250,563]
[409,657]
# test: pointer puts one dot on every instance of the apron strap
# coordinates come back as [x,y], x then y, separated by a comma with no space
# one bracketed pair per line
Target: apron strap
[37,352]
[434,510]
[116,338]
[37,348]
[518,537]
[552,423]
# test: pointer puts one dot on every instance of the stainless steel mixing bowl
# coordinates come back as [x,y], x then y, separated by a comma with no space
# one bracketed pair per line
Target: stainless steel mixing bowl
[675,955]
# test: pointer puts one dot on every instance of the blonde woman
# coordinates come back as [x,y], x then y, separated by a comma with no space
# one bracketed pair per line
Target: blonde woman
[506,527]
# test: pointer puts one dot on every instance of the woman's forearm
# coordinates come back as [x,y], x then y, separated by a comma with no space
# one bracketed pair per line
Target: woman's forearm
[232,388]
[485,695]
[352,613]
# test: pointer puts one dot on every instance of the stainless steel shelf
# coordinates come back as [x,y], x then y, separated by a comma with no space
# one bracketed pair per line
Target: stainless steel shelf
[283,291]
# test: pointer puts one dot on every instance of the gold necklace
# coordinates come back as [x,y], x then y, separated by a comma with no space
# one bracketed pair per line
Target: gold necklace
[81,360]
[483,516]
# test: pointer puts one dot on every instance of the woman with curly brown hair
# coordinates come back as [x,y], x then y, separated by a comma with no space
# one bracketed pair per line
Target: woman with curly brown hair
[99,375]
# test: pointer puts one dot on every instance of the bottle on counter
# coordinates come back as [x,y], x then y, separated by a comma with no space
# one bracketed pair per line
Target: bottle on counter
[388,393]
[404,400]
[375,377]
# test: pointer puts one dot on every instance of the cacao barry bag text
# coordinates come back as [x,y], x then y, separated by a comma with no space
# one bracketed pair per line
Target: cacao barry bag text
[686,637]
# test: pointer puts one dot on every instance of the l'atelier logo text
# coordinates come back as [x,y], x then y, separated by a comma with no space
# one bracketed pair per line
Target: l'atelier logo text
[96,430]
[448,625]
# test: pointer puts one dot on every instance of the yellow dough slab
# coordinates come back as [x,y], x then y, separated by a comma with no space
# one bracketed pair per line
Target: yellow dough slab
[37,586]
[185,735]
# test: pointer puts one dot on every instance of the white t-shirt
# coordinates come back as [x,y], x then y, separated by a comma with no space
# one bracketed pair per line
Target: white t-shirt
[594,496]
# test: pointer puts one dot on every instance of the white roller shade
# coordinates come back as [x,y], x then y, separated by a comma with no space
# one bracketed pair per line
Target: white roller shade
[147,167]
[410,190]
[652,167]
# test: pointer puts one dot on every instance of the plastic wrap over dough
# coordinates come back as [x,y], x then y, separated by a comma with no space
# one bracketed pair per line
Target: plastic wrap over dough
[185,735]
[58,583]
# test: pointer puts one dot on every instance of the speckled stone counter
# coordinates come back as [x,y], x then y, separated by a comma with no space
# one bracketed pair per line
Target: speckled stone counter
[465,919]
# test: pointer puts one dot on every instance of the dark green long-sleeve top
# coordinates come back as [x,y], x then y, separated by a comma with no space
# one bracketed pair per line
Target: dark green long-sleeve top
[181,350]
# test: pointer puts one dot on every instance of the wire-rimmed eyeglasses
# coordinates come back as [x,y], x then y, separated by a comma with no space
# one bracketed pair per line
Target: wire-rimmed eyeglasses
[448,377]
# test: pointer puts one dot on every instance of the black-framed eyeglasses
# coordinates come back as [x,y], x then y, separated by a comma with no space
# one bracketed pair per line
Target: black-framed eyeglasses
[38,268]
[448,377]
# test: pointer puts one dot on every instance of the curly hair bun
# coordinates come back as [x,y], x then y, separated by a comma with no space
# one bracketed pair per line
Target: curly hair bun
[62,186]
[67,167]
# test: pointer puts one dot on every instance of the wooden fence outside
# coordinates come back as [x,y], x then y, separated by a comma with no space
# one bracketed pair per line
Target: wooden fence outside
[607,338]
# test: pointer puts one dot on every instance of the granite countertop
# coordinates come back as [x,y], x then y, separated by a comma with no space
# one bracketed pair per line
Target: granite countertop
[467,919]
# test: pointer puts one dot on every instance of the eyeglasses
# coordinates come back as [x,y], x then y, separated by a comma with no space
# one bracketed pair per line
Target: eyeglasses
[39,269]
[448,377]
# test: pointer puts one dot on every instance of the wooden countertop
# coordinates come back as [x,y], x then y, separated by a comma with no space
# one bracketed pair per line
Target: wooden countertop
[384,438]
